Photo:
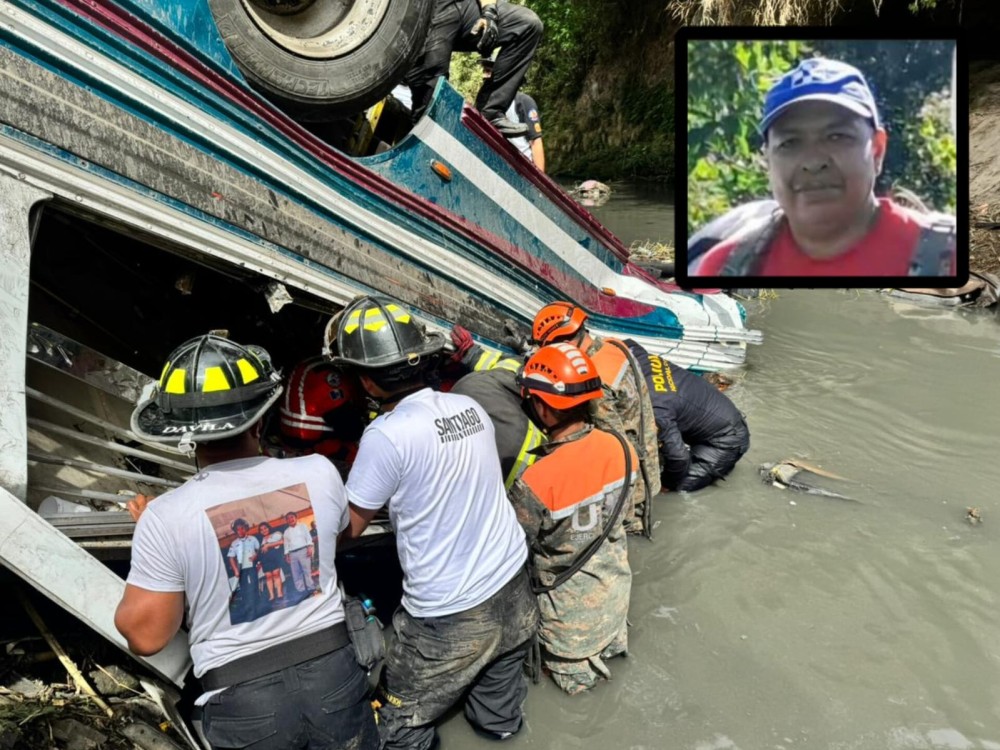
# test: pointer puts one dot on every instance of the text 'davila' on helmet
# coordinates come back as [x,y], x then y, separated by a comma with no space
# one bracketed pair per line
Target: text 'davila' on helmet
[210,388]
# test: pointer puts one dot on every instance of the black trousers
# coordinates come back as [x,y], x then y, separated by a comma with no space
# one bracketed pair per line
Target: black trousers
[322,704]
[475,657]
[711,461]
[450,31]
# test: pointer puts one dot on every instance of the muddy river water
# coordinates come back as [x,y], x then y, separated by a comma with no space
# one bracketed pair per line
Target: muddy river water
[763,618]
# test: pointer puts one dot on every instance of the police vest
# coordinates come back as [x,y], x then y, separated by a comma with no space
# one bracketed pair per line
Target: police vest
[931,257]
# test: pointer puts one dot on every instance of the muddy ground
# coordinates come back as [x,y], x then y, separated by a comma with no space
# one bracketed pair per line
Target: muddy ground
[984,164]
[42,706]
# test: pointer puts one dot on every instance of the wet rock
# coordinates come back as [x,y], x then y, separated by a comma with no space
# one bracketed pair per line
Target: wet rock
[591,193]
[27,687]
[113,680]
[146,737]
[77,736]
[9,735]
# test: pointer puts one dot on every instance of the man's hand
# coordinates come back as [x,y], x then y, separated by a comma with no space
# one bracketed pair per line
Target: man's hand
[488,30]
[138,504]
[462,341]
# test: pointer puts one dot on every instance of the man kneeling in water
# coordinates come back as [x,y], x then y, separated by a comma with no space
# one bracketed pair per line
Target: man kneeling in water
[690,411]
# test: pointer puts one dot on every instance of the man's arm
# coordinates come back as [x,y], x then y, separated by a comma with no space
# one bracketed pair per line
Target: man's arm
[675,457]
[149,619]
[528,509]
[360,518]
[538,153]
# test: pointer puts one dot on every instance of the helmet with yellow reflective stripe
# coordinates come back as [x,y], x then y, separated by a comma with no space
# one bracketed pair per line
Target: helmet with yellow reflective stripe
[210,388]
[375,333]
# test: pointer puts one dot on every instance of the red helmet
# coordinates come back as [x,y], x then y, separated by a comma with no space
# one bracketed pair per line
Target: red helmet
[320,402]
[560,375]
[557,320]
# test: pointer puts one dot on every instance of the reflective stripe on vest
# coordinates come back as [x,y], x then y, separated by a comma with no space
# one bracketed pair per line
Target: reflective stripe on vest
[525,458]
[567,478]
[490,360]
[487,360]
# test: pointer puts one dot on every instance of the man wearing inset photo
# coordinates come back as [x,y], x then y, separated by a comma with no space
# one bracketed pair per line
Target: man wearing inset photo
[824,145]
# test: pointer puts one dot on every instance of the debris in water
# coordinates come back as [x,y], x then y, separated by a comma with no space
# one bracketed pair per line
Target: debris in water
[795,474]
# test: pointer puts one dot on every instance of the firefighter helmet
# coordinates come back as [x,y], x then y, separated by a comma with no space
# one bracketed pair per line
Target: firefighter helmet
[560,375]
[320,402]
[556,321]
[210,388]
[377,333]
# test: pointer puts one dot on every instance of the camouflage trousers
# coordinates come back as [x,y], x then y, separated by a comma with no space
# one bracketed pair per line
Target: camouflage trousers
[578,676]
[476,657]
[635,507]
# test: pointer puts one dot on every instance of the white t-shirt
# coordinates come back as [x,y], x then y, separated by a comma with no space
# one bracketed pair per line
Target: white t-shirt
[245,551]
[182,542]
[521,143]
[434,460]
[297,537]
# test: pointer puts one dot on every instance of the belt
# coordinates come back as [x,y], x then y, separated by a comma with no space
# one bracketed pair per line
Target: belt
[276,658]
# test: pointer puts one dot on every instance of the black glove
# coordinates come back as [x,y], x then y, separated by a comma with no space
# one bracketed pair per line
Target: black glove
[489,30]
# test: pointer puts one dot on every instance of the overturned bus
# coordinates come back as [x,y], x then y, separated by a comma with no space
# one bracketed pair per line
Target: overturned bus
[164,171]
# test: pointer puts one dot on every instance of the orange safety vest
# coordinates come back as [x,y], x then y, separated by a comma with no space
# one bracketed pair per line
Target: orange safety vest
[581,478]
[612,364]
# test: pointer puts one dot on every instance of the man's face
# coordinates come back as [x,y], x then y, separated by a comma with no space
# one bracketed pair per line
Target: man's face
[291,519]
[822,164]
[241,531]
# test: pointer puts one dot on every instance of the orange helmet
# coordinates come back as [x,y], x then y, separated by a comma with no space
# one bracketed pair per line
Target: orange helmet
[320,402]
[560,375]
[557,320]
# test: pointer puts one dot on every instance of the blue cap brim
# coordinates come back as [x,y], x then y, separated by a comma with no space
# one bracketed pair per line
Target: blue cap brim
[849,104]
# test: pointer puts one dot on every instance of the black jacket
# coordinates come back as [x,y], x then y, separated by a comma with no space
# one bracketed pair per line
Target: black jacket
[497,392]
[688,411]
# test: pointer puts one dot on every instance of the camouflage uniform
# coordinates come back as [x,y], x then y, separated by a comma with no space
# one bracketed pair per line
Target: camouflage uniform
[626,396]
[562,501]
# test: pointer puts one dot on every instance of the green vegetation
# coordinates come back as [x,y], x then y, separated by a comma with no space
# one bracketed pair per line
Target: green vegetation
[603,75]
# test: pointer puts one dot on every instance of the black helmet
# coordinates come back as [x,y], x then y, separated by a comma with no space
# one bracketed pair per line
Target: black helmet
[211,388]
[376,333]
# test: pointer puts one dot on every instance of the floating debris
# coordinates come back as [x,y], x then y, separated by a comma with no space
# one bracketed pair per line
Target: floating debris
[796,474]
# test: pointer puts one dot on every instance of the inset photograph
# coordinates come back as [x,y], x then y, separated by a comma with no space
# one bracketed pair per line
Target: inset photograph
[820,162]
[270,551]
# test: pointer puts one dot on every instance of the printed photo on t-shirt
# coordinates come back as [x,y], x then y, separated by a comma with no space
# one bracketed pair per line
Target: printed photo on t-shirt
[270,551]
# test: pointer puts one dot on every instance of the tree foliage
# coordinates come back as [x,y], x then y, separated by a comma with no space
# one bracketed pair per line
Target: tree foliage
[603,74]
